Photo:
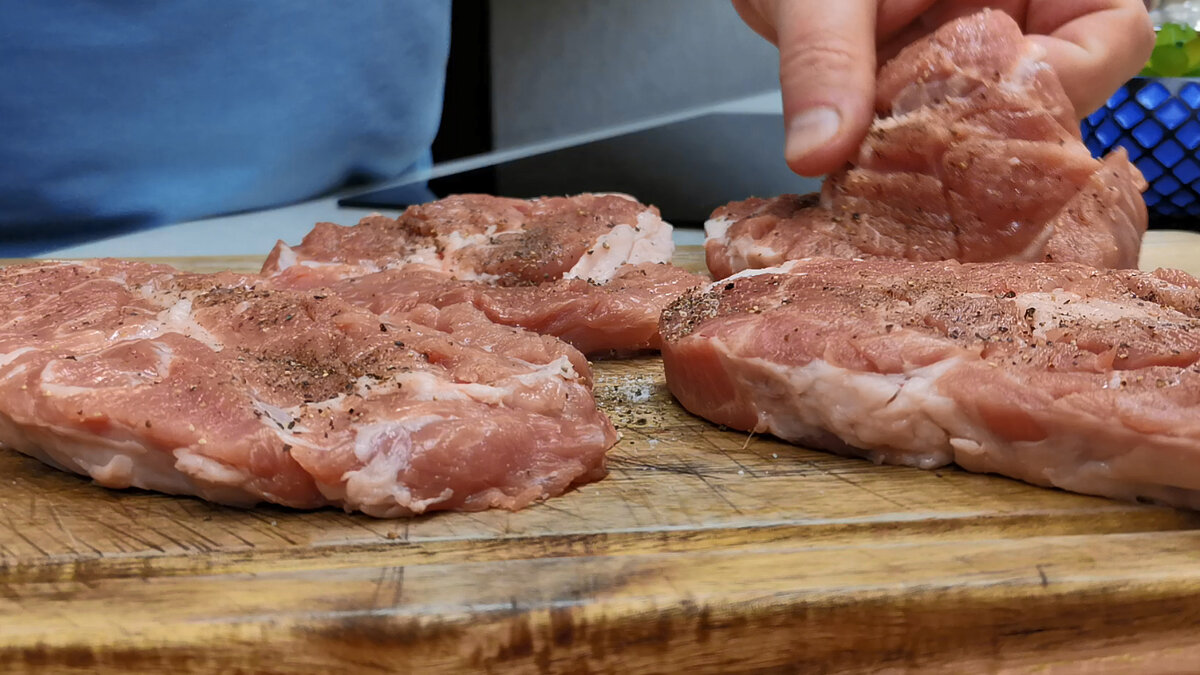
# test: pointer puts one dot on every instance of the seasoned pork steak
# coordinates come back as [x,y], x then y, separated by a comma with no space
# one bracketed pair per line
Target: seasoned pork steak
[975,155]
[1056,374]
[590,269]
[216,386]
[494,239]
[611,319]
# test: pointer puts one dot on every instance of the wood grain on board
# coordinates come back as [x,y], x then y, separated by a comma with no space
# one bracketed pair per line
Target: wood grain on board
[703,549]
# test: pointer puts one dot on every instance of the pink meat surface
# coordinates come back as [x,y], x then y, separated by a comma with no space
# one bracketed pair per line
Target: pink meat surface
[975,155]
[1056,374]
[492,239]
[216,386]
[612,319]
[590,269]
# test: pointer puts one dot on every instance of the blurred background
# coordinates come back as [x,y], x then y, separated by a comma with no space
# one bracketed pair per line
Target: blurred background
[1156,118]
[544,69]
[687,93]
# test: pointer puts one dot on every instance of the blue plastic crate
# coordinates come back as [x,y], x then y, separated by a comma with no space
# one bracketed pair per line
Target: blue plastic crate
[1157,120]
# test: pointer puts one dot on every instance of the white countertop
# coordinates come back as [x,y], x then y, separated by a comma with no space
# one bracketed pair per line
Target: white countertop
[256,232]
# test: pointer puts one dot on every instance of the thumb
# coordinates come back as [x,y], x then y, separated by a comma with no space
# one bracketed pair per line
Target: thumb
[827,74]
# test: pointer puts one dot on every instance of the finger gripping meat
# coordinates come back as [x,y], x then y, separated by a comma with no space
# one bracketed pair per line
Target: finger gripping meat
[975,155]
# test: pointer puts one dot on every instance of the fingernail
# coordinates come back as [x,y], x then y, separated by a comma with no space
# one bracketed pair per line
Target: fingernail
[810,130]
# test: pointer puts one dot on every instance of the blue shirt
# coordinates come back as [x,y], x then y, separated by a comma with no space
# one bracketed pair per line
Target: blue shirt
[127,114]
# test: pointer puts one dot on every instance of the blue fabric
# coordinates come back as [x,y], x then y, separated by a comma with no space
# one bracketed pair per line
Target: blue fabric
[124,114]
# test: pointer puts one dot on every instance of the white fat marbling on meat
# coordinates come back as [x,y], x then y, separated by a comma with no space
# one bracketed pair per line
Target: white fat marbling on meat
[717,228]
[386,450]
[118,469]
[456,240]
[558,369]
[286,422]
[1018,79]
[272,415]
[392,437]
[657,243]
[286,258]
[622,195]
[423,386]
[882,415]
[423,255]
[1046,311]
[165,357]
[51,383]
[1114,380]
[746,252]
[15,354]
[117,462]
[367,267]
[15,371]
[784,268]
[428,386]
[176,317]
[208,469]
[649,241]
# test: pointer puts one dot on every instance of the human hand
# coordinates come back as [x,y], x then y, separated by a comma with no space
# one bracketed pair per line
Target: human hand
[829,52]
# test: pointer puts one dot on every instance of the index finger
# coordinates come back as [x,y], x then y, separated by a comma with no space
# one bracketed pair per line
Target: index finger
[1095,46]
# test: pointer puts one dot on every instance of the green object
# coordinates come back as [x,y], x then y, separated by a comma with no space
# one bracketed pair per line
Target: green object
[1169,61]
[1176,52]
[1174,34]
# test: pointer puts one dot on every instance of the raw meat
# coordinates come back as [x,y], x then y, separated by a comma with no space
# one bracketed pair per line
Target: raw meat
[213,385]
[1056,374]
[975,155]
[589,269]
[493,239]
[612,319]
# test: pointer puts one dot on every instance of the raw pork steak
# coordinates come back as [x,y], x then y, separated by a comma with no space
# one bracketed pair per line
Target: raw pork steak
[614,318]
[590,269]
[975,155]
[1056,374]
[493,239]
[212,385]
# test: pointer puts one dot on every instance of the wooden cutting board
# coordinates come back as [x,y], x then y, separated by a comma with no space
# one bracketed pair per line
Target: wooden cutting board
[703,549]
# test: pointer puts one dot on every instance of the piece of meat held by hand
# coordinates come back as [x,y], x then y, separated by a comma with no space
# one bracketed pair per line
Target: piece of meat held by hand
[1056,374]
[492,239]
[975,155]
[220,387]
